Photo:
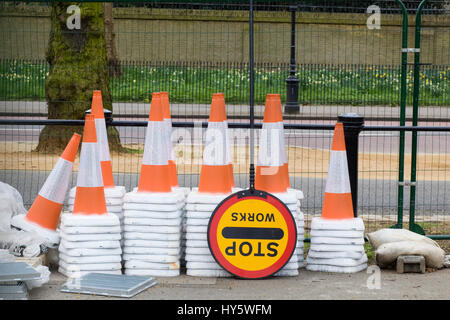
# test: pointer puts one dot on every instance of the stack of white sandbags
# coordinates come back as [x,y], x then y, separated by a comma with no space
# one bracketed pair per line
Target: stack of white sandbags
[152,233]
[199,260]
[300,222]
[90,243]
[90,236]
[337,238]
[153,211]
[289,198]
[337,246]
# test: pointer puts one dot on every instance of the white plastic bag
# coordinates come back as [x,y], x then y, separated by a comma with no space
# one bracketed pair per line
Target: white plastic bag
[45,277]
[11,204]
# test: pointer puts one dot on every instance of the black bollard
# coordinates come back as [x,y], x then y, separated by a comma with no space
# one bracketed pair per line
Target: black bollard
[353,124]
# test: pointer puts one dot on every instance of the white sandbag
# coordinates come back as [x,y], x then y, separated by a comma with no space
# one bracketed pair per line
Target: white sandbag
[199,258]
[108,244]
[152,214]
[192,250]
[81,252]
[138,264]
[196,236]
[388,253]
[197,222]
[298,193]
[152,236]
[152,243]
[337,247]
[326,268]
[208,273]
[151,229]
[159,258]
[91,220]
[197,229]
[335,254]
[76,274]
[338,262]
[114,192]
[200,207]
[152,207]
[90,237]
[117,209]
[157,251]
[337,233]
[382,236]
[205,198]
[203,265]
[198,214]
[196,243]
[89,266]
[109,202]
[335,240]
[153,197]
[286,273]
[152,272]
[152,222]
[288,198]
[89,230]
[90,259]
[317,223]
[44,278]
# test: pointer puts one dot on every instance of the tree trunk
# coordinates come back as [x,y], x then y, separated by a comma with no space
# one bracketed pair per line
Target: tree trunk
[115,70]
[78,65]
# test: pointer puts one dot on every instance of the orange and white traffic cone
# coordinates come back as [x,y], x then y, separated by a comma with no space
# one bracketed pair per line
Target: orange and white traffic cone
[155,171]
[102,139]
[272,170]
[337,238]
[337,202]
[43,216]
[215,176]
[89,194]
[168,124]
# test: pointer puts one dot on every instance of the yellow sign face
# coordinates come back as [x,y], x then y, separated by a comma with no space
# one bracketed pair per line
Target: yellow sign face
[252,239]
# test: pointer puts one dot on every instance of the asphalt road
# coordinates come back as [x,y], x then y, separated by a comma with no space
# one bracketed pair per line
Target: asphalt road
[374,196]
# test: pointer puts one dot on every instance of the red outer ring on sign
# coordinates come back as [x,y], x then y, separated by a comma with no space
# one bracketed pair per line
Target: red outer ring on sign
[258,274]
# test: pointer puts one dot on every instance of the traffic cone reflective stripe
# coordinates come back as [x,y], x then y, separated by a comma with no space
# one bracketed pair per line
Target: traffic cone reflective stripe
[337,203]
[215,174]
[155,175]
[89,194]
[47,206]
[173,176]
[102,139]
[272,170]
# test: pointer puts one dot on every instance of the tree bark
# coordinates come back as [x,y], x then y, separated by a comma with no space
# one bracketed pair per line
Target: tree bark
[115,70]
[78,65]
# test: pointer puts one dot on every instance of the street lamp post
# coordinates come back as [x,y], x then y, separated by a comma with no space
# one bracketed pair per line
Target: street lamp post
[292,105]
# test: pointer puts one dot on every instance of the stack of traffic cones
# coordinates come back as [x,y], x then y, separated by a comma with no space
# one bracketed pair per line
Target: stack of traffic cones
[272,174]
[43,216]
[90,236]
[215,185]
[113,194]
[153,211]
[337,238]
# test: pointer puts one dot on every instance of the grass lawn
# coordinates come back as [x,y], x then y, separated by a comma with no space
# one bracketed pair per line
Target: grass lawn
[319,84]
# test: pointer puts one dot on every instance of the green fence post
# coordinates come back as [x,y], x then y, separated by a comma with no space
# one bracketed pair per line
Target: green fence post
[412,200]
[401,152]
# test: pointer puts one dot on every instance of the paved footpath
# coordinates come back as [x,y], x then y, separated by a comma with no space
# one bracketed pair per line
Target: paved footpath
[306,286]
